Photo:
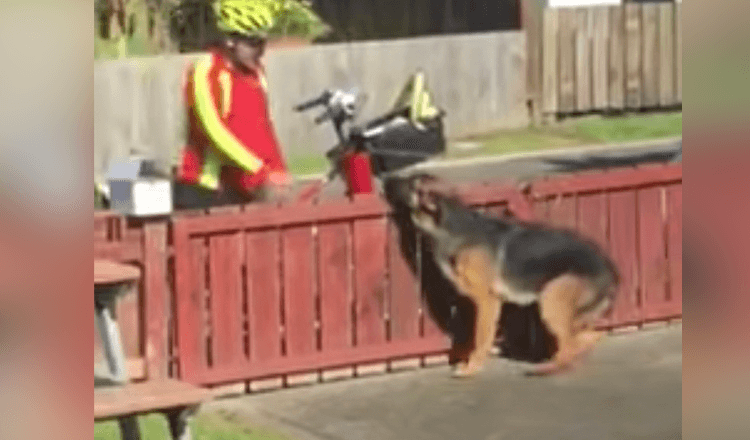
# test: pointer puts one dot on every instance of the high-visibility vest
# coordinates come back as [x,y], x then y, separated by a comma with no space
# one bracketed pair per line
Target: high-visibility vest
[230,136]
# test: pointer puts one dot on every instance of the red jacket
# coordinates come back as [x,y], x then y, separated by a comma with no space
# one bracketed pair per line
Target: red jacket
[230,136]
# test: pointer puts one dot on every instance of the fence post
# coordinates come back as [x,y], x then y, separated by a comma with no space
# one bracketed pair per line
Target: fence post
[156,297]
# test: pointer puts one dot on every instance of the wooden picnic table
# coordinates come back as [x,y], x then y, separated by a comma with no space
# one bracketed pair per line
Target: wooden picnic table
[125,401]
[111,282]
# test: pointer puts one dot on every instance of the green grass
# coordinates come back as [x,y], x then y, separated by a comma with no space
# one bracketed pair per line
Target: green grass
[308,164]
[572,133]
[576,132]
[629,128]
[220,425]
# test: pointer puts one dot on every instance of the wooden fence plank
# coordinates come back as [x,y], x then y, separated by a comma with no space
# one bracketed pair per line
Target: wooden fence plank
[567,61]
[584,29]
[404,292]
[633,83]
[200,260]
[227,317]
[653,256]
[562,212]
[320,360]
[667,66]
[370,237]
[542,209]
[264,294]
[674,214]
[595,182]
[678,51]
[550,60]
[335,286]
[189,280]
[600,54]
[651,55]
[593,219]
[157,299]
[299,302]
[616,77]
[622,215]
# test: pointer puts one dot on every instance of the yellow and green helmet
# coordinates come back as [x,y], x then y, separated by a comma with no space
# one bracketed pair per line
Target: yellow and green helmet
[251,18]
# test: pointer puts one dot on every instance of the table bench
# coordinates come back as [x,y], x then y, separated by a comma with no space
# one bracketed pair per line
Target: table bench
[176,400]
[122,400]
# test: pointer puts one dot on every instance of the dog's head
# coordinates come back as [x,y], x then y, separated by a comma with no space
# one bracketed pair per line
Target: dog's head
[402,193]
[417,197]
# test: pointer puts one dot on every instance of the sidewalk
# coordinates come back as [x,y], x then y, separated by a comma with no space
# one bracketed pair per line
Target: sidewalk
[631,388]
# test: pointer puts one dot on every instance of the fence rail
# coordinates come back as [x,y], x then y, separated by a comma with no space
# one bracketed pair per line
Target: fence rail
[612,58]
[251,292]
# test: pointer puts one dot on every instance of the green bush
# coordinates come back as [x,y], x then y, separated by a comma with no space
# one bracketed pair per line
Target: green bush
[297,19]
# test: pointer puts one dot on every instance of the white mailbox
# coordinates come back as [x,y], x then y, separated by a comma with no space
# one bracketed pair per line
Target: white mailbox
[138,188]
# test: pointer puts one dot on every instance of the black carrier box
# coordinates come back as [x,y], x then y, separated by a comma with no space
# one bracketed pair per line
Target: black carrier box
[396,142]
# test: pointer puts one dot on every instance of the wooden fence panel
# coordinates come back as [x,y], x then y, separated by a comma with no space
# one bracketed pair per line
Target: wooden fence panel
[593,222]
[298,299]
[600,69]
[653,256]
[623,242]
[550,49]
[227,261]
[678,50]
[617,43]
[404,292]
[622,57]
[157,299]
[189,272]
[264,294]
[584,29]
[633,55]
[562,211]
[335,263]
[651,55]
[567,60]
[370,238]
[674,214]
[667,66]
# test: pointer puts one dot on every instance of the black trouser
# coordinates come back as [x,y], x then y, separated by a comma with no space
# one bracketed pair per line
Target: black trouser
[194,197]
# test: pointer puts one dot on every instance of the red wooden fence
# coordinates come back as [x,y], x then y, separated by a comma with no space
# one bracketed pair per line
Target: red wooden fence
[266,292]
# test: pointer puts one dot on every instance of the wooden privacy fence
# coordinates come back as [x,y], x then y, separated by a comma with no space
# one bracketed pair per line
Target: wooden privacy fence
[259,292]
[612,58]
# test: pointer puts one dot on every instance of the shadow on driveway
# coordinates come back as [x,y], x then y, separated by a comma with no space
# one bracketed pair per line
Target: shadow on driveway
[567,164]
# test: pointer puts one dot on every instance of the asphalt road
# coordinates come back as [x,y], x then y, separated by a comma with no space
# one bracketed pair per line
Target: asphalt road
[528,166]
[630,389]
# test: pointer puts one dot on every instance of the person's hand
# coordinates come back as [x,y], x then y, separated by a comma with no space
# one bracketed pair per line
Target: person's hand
[279,185]
[279,178]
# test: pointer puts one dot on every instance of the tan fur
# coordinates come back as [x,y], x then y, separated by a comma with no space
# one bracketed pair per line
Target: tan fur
[474,278]
[559,302]
[575,334]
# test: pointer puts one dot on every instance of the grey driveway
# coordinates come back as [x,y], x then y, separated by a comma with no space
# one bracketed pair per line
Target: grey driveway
[630,389]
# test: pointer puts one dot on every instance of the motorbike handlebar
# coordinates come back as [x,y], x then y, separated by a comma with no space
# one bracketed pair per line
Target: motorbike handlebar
[322,118]
[321,100]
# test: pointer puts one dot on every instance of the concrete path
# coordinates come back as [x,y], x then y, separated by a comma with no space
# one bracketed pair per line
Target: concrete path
[630,389]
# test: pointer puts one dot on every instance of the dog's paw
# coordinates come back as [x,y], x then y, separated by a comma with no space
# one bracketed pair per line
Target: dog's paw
[549,369]
[465,369]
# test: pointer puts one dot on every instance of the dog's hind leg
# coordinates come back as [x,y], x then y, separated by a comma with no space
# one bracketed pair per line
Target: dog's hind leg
[558,306]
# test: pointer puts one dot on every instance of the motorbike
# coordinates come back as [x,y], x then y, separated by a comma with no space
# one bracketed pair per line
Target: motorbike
[412,132]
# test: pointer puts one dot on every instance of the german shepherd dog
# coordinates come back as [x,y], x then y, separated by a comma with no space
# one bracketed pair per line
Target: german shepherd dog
[495,260]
